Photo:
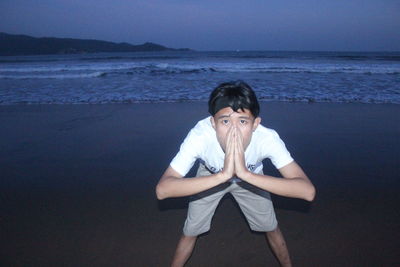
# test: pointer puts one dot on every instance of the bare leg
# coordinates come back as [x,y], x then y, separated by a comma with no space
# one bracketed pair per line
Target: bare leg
[278,246]
[183,250]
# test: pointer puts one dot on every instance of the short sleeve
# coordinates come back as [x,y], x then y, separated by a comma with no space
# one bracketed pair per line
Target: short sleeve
[189,151]
[277,151]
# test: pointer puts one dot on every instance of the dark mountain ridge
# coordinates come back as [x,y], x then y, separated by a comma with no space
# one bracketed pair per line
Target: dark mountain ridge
[13,45]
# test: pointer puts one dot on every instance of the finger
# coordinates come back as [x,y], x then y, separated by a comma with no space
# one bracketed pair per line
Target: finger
[238,151]
[229,153]
[240,137]
[233,146]
[230,140]
[230,156]
[240,144]
[240,141]
[237,139]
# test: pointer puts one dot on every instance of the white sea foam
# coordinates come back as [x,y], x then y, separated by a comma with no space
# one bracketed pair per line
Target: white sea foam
[162,77]
[69,70]
[55,76]
[68,67]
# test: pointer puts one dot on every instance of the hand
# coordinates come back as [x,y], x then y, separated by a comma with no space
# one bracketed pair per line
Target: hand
[229,163]
[240,163]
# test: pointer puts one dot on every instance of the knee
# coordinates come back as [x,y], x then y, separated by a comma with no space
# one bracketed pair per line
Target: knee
[268,227]
[195,231]
[188,237]
[273,229]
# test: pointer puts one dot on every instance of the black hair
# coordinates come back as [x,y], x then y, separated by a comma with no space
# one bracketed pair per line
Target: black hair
[236,95]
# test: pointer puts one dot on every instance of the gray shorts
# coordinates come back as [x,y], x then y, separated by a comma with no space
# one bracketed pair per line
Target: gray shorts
[254,202]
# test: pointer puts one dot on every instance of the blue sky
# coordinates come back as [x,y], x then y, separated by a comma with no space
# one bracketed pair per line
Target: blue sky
[352,25]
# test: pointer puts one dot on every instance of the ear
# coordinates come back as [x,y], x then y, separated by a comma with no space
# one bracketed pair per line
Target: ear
[212,122]
[256,122]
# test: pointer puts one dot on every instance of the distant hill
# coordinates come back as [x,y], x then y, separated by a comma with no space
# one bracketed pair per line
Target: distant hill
[12,45]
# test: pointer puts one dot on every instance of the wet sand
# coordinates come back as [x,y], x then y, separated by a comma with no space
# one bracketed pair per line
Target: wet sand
[77,187]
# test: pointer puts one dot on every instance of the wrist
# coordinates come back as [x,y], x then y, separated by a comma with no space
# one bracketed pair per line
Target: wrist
[245,175]
[222,177]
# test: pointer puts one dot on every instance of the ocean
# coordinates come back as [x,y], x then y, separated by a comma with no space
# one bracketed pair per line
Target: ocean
[344,77]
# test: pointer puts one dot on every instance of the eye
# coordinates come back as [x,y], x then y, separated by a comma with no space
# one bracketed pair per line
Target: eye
[243,121]
[225,122]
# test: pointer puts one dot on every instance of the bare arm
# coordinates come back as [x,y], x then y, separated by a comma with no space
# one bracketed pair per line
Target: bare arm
[295,183]
[172,184]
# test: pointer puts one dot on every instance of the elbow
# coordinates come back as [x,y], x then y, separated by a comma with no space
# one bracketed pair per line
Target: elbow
[310,195]
[160,192]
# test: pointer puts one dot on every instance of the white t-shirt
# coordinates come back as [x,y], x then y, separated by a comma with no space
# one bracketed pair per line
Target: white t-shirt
[201,143]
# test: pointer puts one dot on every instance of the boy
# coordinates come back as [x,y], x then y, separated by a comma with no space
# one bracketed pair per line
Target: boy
[230,146]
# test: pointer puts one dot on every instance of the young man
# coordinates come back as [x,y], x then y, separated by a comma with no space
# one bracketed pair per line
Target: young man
[230,145]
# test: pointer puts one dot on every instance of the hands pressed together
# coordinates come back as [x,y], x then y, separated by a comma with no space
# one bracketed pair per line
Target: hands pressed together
[234,163]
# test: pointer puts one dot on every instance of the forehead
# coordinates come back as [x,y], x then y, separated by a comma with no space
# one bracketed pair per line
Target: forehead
[228,112]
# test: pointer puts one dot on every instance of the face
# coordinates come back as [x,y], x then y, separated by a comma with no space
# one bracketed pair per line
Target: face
[226,118]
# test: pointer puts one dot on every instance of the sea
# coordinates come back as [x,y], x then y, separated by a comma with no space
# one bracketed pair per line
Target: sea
[186,76]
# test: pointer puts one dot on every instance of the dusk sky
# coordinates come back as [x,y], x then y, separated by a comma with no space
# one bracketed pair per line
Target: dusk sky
[341,25]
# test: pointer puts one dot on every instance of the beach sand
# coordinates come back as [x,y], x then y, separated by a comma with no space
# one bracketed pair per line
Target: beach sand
[77,187]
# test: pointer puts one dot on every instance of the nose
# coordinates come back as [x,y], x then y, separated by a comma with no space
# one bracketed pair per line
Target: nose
[236,123]
[237,127]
